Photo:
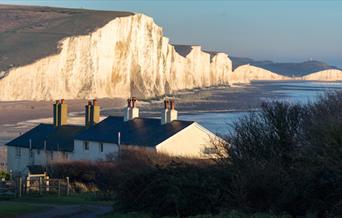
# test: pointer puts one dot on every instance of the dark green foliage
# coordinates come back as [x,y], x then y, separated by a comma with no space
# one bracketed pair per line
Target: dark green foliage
[84,172]
[176,189]
[323,152]
[264,153]
[267,137]
[4,175]
[288,158]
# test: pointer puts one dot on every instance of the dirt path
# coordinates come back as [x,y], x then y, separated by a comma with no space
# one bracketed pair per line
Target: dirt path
[75,211]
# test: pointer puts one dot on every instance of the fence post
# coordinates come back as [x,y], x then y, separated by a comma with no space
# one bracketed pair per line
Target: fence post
[67,188]
[28,184]
[59,188]
[20,186]
[47,184]
[40,185]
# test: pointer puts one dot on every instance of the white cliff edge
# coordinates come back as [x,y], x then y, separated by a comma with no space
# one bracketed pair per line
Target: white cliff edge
[325,75]
[246,73]
[129,56]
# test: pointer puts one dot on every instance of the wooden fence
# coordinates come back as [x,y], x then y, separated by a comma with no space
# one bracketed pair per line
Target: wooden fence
[35,185]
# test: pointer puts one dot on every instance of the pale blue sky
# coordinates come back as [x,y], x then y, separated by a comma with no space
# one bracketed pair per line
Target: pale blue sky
[276,30]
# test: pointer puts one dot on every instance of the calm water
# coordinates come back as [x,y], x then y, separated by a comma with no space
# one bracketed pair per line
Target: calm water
[301,92]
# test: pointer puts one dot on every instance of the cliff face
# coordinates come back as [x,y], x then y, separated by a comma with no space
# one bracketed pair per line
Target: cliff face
[297,69]
[325,75]
[247,73]
[128,56]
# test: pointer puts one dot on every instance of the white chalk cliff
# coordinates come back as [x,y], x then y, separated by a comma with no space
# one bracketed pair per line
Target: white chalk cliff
[325,75]
[128,56]
[247,73]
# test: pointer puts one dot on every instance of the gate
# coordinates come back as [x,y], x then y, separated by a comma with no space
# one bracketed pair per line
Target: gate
[43,185]
[35,185]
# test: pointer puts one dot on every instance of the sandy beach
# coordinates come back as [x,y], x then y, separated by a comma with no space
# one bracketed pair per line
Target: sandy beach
[17,117]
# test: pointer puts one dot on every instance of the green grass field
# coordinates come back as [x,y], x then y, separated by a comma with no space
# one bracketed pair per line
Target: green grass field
[29,204]
[83,198]
[13,209]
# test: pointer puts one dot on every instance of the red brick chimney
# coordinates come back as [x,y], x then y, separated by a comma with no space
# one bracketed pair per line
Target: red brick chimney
[169,113]
[131,111]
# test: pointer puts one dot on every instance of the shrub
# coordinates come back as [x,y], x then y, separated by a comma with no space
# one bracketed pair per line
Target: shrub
[263,151]
[4,175]
[287,158]
[177,189]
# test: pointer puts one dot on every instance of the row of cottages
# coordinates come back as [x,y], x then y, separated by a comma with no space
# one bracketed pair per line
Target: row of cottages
[96,140]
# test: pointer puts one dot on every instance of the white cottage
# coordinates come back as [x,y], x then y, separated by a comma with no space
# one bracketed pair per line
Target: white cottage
[59,141]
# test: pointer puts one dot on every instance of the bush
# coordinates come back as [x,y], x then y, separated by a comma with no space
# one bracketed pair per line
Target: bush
[263,153]
[287,158]
[87,176]
[4,175]
[177,189]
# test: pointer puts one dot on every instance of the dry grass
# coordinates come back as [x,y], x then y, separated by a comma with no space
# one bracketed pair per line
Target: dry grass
[30,33]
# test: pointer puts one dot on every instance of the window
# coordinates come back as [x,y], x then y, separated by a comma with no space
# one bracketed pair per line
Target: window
[38,151]
[210,150]
[18,152]
[51,155]
[101,146]
[86,145]
[65,155]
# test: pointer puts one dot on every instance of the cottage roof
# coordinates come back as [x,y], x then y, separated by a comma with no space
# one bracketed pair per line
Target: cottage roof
[138,131]
[59,138]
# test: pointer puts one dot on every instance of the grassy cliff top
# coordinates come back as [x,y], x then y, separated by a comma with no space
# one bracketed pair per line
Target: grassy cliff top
[29,33]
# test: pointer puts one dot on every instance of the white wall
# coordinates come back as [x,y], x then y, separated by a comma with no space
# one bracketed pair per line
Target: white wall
[191,142]
[18,164]
[94,152]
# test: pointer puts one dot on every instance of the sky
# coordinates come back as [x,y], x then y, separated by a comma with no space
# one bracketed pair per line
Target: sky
[278,30]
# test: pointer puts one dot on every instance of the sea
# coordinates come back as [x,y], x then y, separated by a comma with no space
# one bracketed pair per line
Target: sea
[293,92]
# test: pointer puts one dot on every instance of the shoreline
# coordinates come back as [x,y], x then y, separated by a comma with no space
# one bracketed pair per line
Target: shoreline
[20,116]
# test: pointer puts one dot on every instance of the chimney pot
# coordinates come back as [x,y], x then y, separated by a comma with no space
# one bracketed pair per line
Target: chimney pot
[131,111]
[169,113]
[172,104]
[60,113]
[166,104]
[129,103]
[92,113]
[133,101]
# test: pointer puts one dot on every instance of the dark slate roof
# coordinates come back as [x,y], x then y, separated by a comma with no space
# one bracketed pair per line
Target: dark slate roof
[139,131]
[57,138]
